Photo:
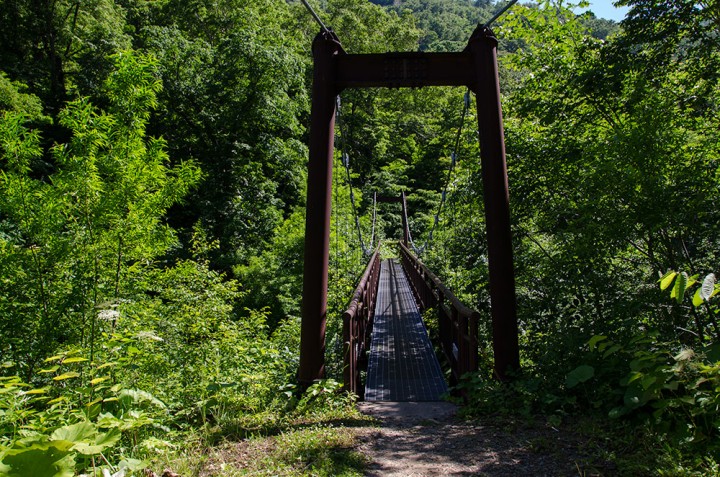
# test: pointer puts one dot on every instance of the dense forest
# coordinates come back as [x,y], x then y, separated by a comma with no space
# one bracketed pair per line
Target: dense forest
[152,198]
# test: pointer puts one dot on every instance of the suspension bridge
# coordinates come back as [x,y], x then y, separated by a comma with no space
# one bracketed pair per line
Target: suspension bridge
[384,336]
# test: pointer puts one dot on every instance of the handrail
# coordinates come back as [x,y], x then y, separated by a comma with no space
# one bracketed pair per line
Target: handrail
[357,324]
[458,324]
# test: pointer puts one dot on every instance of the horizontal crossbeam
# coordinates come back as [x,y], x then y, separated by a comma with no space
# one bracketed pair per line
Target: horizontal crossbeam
[412,69]
[391,200]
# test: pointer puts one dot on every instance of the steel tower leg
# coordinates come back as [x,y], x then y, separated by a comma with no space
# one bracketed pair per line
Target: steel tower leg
[483,47]
[317,220]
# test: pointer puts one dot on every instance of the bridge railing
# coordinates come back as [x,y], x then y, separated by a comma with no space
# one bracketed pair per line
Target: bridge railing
[457,323]
[357,324]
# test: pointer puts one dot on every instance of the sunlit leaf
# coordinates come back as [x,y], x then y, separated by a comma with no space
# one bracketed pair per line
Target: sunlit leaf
[69,375]
[678,291]
[37,391]
[79,432]
[634,376]
[132,464]
[92,403]
[58,399]
[667,279]
[100,443]
[697,297]
[75,359]
[99,380]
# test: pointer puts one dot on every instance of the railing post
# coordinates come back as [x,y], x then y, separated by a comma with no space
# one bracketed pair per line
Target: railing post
[483,48]
[405,225]
[463,348]
[348,350]
[473,337]
[326,47]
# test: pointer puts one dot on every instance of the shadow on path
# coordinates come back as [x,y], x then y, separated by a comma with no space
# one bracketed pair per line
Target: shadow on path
[427,439]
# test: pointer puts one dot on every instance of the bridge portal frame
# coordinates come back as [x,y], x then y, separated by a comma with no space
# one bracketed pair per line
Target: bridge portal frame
[335,70]
[403,203]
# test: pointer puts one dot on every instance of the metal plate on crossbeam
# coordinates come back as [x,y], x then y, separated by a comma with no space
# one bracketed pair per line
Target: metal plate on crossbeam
[396,70]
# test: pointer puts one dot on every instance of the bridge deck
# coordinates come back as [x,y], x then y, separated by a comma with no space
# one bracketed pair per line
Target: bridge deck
[402,365]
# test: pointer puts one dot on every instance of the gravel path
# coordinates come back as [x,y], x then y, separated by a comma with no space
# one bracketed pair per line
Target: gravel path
[427,439]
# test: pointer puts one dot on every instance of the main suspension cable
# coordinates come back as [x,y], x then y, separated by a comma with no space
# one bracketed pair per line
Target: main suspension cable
[316,17]
[498,14]
[453,161]
[367,251]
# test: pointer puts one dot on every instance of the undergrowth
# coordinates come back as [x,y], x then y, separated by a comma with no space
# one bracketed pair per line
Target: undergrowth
[313,437]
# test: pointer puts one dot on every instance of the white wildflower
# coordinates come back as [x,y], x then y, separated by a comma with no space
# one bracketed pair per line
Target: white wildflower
[147,335]
[108,315]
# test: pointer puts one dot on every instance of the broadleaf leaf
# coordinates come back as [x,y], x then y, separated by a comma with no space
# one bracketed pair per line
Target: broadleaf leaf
[678,291]
[667,279]
[579,375]
[69,375]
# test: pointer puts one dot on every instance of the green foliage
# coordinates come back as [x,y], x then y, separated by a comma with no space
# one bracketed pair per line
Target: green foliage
[201,356]
[61,47]
[446,26]
[75,416]
[673,388]
[274,278]
[51,459]
[307,447]
[148,338]
[321,451]
[579,375]
[14,98]
[233,99]
[368,28]
[323,396]
[227,370]
[705,312]
[527,394]
[72,238]
[703,294]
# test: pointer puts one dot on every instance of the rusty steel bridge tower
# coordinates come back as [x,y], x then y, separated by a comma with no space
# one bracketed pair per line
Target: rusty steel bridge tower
[335,70]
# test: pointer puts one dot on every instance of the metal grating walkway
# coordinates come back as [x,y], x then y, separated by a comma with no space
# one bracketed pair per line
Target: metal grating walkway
[402,365]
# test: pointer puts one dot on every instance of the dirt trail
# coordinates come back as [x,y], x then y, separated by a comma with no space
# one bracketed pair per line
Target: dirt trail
[428,439]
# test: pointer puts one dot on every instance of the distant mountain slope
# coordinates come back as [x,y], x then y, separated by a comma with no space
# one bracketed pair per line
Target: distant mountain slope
[447,24]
